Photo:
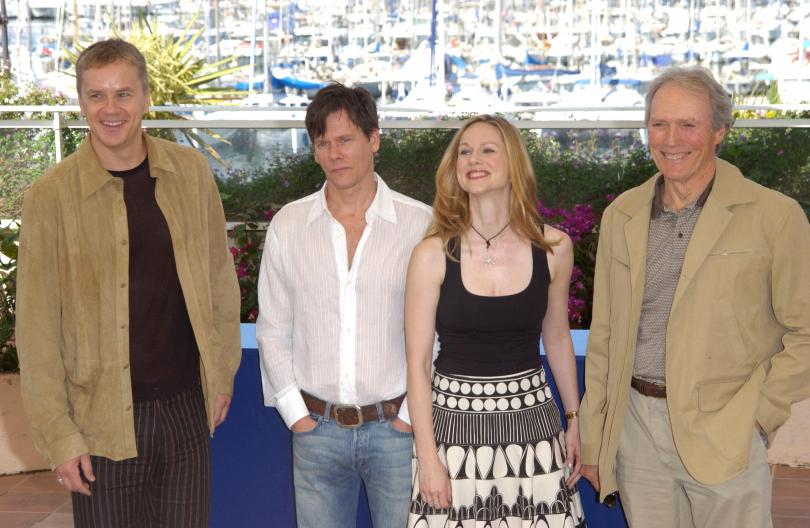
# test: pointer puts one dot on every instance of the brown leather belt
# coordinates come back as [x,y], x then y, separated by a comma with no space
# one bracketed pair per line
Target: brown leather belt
[648,388]
[353,415]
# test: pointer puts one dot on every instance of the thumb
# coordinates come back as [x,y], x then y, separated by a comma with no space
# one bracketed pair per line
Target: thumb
[87,468]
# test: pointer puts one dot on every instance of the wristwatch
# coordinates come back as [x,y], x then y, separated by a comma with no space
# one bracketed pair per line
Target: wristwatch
[571,414]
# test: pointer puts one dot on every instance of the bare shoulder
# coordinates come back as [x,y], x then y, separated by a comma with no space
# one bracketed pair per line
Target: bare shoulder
[428,251]
[427,258]
[559,240]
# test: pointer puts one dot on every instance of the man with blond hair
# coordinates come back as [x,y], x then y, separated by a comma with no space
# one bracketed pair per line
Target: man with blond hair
[700,340]
[128,310]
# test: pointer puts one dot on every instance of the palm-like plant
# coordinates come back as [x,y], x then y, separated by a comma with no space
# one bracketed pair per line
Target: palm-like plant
[176,74]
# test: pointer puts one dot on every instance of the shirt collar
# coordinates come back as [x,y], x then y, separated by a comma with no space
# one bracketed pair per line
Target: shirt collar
[93,176]
[659,207]
[382,206]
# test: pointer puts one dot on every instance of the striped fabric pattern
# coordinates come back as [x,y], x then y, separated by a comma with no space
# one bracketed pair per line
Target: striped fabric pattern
[333,330]
[168,484]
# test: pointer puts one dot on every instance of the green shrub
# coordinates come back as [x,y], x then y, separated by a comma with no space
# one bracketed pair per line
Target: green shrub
[578,174]
[8,291]
[27,153]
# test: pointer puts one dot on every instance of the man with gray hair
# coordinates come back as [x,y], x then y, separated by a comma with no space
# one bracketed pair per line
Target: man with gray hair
[700,340]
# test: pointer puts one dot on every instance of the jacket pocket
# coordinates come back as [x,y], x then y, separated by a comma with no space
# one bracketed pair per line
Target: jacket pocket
[714,395]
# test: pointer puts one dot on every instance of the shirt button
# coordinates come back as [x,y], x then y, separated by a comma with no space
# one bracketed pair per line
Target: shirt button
[129,407]
[123,242]
[123,284]
[123,325]
[126,367]
[680,235]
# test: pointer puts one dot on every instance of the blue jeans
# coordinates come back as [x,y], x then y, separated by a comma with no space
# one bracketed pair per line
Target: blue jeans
[330,461]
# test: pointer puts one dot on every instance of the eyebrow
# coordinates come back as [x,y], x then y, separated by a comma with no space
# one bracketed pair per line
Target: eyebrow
[121,89]
[492,143]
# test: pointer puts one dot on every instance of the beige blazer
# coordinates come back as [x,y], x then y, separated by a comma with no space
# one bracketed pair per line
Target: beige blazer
[738,338]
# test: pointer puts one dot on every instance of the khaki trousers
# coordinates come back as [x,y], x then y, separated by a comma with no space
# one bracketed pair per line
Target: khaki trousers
[657,491]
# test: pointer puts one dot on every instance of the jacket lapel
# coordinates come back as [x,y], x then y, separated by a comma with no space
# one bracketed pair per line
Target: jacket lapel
[714,218]
[712,222]
[636,230]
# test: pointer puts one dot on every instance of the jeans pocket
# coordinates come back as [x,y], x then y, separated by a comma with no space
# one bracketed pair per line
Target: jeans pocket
[389,423]
[318,421]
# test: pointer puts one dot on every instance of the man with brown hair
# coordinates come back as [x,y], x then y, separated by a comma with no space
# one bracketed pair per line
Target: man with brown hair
[128,310]
[331,322]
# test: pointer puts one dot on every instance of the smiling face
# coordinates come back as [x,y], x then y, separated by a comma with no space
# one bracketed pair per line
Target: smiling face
[345,153]
[682,140]
[113,101]
[482,164]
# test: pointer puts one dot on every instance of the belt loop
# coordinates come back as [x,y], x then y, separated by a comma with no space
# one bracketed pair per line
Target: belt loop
[327,411]
[380,412]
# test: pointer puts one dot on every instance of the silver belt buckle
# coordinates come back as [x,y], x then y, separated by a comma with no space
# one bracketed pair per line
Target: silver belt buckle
[343,411]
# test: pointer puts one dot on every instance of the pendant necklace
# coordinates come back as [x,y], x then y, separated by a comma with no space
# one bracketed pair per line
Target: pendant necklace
[489,260]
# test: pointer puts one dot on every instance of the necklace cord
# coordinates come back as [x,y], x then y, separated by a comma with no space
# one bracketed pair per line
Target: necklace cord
[489,240]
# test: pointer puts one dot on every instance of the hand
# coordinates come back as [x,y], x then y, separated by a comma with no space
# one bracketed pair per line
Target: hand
[434,483]
[71,478]
[573,457]
[304,425]
[591,474]
[222,403]
[401,425]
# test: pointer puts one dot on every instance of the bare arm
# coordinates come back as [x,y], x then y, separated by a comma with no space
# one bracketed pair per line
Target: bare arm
[557,342]
[425,276]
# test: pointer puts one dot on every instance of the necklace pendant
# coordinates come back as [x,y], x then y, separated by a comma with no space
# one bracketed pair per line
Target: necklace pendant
[489,260]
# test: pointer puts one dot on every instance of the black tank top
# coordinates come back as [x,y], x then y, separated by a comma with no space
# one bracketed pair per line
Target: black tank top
[490,336]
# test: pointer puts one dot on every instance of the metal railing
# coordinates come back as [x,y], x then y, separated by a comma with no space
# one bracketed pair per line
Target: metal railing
[392,117]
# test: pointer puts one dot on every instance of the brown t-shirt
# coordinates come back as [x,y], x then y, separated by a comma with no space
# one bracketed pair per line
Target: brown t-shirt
[163,353]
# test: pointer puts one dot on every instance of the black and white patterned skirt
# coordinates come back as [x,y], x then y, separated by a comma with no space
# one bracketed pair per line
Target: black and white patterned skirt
[501,440]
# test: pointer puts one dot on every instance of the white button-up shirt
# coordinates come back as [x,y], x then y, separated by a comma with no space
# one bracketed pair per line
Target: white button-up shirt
[334,331]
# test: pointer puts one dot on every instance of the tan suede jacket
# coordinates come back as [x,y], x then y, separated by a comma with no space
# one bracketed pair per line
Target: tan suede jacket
[73,298]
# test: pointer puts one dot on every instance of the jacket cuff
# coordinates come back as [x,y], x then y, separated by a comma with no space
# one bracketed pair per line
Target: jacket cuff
[66,449]
[770,417]
[590,456]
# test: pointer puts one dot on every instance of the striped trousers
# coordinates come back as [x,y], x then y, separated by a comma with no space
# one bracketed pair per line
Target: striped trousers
[168,484]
